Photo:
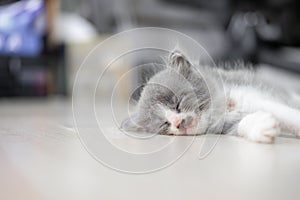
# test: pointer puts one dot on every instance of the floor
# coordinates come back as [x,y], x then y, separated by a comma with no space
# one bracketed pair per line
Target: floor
[42,157]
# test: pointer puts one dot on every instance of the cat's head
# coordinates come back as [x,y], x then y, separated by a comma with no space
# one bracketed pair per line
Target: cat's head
[174,101]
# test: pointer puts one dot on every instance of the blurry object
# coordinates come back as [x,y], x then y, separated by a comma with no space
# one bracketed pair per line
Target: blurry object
[268,20]
[52,9]
[205,23]
[76,53]
[242,35]
[124,14]
[100,13]
[262,31]
[109,15]
[72,28]
[115,15]
[31,64]
[251,25]
[43,75]
[22,27]
[279,17]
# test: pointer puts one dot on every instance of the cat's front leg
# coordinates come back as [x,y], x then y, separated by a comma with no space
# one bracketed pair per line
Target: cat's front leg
[259,127]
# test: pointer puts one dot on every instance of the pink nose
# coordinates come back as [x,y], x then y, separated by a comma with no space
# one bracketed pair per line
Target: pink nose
[177,122]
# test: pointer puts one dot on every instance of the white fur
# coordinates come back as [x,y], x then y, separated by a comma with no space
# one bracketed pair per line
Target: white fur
[259,127]
[248,99]
[171,116]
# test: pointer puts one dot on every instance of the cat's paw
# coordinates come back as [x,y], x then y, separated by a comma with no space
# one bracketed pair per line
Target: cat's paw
[259,127]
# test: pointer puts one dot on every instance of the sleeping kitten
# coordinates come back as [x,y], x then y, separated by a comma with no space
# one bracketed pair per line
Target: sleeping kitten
[184,99]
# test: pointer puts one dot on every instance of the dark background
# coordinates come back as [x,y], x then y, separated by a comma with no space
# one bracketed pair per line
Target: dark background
[256,31]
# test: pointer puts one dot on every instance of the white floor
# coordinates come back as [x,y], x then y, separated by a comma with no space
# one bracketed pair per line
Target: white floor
[41,157]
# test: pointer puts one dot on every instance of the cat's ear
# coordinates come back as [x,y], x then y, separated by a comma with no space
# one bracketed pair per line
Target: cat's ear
[133,123]
[179,62]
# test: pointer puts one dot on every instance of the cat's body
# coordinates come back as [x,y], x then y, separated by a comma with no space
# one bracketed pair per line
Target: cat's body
[184,99]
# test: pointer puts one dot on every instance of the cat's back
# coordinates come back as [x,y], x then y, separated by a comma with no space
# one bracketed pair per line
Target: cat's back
[246,85]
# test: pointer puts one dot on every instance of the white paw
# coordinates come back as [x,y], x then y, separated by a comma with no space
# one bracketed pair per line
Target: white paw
[259,127]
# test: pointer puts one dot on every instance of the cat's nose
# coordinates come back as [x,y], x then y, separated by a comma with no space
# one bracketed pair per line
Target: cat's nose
[179,122]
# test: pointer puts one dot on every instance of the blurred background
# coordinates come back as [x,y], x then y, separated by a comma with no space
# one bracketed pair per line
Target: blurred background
[43,42]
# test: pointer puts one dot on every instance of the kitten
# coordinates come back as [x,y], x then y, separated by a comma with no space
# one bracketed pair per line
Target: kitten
[184,99]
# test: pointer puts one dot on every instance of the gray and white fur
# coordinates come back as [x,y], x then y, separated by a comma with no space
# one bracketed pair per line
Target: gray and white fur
[184,99]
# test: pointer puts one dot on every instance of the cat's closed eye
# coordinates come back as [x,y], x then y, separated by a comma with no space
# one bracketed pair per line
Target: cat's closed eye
[165,124]
[177,107]
[174,103]
[164,127]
